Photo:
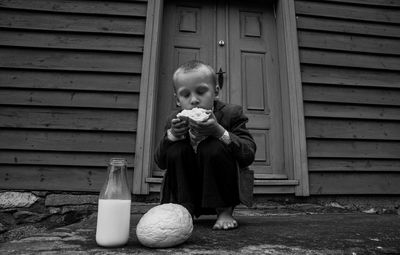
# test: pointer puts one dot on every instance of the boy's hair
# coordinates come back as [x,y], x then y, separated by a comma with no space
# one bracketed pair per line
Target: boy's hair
[193,65]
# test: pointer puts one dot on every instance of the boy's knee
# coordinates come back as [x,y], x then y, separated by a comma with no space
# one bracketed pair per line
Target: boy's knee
[212,148]
[178,150]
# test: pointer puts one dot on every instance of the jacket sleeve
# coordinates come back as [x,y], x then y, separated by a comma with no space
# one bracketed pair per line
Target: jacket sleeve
[242,143]
[160,154]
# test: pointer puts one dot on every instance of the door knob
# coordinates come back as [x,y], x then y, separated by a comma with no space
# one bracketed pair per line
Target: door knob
[221,43]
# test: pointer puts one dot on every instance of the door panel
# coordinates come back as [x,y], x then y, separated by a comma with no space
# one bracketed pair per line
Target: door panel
[191,30]
[254,80]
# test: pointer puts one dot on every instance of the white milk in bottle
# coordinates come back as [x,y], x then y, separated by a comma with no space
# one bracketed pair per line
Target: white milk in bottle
[114,207]
[113,230]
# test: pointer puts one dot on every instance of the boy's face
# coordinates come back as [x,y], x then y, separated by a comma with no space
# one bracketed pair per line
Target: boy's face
[195,89]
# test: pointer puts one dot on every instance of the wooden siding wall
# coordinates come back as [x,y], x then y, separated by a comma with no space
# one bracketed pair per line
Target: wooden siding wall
[69,90]
[350,63]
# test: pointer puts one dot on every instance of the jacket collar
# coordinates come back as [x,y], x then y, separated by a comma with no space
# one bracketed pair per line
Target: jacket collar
[218,105]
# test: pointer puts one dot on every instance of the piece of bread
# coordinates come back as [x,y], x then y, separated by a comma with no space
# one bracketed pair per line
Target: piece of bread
[196,114]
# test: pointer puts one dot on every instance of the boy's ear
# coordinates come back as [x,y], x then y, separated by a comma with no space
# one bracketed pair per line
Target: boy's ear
[178,104]
[217,89]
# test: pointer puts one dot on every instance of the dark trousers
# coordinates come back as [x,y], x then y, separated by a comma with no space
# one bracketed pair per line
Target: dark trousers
[201,181]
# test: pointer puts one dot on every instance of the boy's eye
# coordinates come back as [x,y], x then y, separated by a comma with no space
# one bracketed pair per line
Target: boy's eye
[202,90]
[184,94]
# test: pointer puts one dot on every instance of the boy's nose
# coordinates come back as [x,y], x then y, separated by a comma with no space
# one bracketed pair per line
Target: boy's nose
[194,100]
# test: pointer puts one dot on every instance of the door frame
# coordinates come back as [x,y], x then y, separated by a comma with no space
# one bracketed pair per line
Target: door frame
[292,97]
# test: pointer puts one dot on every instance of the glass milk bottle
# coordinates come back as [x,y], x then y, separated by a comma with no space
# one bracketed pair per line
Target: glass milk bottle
[114,208]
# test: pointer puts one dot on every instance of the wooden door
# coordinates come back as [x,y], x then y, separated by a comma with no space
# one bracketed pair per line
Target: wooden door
[254,81]
[240,39]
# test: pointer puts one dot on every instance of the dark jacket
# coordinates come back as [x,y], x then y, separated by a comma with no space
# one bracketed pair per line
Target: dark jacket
[242,145]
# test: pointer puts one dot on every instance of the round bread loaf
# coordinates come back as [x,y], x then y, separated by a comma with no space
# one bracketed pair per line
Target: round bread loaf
[164,226]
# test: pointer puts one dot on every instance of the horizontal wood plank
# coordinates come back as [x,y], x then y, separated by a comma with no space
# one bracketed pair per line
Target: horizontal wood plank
[54,178]
[346,42]
[321,57]
[258,189]
[351,111]
[353,95]
[357,165]
[154,187]
[76,99]
[353,149]
[275,182]
[77,41]
[71,60]
[68,119]
[82,6]
[51,140]
[284,189]
[352,129]
[270,176]
[56,158]
[334,10]
[49,79]
[153,180]
[71,22]
[354,183]
[348,26]
[375,3]
[349,76]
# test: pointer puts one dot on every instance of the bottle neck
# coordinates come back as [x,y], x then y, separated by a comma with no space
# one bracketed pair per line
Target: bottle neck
[116,185]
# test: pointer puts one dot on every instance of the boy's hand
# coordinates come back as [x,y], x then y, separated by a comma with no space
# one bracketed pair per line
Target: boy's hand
[179,127]
[209,127]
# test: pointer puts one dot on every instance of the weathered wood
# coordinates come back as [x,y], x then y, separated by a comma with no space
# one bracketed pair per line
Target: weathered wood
[353,95]
[49,79]
[274,189]
[271,176]
[68,119]
[351,111]
[346,42]
[321,57]
[158,173]
[334,10]
[354,183]
[69,83]
[262,138]
[353,149]
[70,60]
[377,3]
[261,168]
[76,99]
[117,8]
[54,178]
[16,139]
[359,165]
[71,22]
[258,121]
[348,26]
[260,187]
[148,95]
[153,180]
[78,41]
[349,76]
[154,187]
[275,182]
[352,129]
[57,158]
[293,112]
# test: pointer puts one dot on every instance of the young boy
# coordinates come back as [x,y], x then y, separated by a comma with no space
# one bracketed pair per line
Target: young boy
[204,179]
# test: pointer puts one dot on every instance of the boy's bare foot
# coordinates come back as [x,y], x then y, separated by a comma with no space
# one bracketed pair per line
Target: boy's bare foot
[225,219]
